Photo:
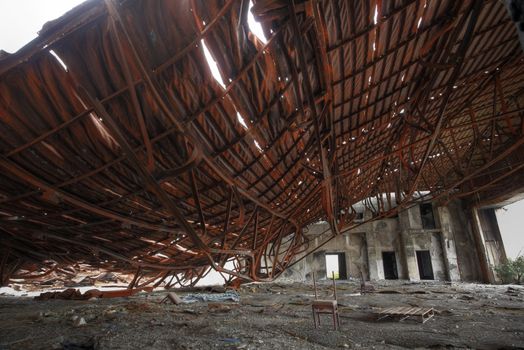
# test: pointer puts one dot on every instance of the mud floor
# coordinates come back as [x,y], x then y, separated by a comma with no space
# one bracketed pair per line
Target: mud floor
[272,316]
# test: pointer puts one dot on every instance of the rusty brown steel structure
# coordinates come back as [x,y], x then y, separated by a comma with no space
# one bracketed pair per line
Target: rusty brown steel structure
[120,150]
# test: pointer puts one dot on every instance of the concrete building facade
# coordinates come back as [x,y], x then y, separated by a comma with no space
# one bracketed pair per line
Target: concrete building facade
[429,241]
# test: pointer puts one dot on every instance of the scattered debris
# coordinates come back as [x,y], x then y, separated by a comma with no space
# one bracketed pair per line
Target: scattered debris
[219,307]
[280,321]
[78,321]
[68,294]
[515,290]
[228,295]
[405,312]
[75,294]
[172,297]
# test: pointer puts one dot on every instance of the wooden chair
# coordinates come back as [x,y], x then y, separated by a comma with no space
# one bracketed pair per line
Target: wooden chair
[326,306]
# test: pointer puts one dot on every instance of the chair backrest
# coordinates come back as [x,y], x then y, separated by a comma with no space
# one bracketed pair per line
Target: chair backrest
[334,285]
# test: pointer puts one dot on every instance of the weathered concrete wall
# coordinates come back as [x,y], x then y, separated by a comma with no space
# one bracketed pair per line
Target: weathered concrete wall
[314,262]
[416,238]
[459,235]
[430,241]
[357,257]
[489,242]
[448,243]
[451,245]
[384,236]
[492,236]
[410,222]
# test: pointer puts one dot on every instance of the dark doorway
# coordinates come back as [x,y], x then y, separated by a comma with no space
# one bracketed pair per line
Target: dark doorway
[424,265]
[390,265]
[336,262]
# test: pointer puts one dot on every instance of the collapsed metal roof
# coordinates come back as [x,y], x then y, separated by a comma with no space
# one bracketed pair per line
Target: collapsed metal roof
[120,148]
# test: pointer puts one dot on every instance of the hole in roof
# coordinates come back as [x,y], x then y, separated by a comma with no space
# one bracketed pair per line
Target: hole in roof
[254,26]
[257,145]
[213,66]
[160,255]
[104,133]
[185,250]
[58,59]
[419,22]
[375,15]
[241,120]
[402,110]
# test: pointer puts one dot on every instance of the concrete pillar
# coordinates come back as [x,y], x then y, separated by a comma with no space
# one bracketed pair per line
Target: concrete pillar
[411,270]
[487,274]
[373,257]
[402,218]
[448,244]
[409,259]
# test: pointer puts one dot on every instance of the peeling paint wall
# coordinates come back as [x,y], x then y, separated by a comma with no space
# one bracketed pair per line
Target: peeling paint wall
[385,237]
[450,244]
[458,235]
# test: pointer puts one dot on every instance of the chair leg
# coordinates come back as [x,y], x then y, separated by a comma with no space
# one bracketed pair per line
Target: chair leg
[314,317]
[338,320]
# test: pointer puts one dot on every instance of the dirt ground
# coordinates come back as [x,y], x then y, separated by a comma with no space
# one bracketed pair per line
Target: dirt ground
[272,316]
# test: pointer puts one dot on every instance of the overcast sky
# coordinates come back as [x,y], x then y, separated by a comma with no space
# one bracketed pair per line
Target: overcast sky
[511,225]
[20,20]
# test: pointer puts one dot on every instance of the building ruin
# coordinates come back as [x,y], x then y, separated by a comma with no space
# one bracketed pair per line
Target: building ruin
[160,141]
[423,242]
[169,139]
